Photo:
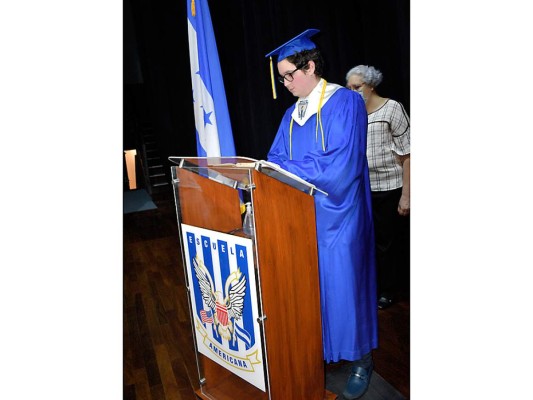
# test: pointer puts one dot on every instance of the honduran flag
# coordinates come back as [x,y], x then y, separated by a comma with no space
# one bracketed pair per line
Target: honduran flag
[214,137]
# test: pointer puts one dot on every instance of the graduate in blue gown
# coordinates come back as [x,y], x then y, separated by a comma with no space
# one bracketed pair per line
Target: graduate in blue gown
[322,139]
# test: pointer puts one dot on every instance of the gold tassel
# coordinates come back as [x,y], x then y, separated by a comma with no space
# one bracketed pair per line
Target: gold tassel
[193,8]
[319,116]
[272,79]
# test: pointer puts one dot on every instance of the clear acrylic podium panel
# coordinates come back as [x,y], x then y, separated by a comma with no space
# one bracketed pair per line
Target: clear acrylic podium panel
[208,194]
[233,173]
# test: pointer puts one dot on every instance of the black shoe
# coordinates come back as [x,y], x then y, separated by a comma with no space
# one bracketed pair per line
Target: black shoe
[385,301]
[357,383]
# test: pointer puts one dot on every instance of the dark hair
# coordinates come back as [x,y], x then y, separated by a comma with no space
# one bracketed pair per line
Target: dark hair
[303,58]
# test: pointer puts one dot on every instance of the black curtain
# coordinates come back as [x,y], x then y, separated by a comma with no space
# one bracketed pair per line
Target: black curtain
[372,32]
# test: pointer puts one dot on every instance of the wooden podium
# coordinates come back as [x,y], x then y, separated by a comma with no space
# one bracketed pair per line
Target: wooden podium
[208,194]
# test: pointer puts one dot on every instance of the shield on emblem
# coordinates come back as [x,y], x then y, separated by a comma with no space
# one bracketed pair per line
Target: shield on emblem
[222,314]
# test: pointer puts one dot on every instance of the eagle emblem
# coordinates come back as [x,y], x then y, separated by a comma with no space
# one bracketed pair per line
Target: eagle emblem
[226,307]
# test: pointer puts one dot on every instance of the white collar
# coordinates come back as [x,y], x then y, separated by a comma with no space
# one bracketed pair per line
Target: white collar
[313,100]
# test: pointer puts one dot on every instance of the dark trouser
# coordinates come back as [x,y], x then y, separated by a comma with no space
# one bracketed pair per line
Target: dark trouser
[387,226]
[365,361]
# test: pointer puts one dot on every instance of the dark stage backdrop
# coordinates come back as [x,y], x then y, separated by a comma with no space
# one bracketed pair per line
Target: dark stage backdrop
[157,84]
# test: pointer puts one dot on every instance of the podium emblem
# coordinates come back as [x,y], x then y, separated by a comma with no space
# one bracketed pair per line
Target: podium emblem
[223,297]
[226,309]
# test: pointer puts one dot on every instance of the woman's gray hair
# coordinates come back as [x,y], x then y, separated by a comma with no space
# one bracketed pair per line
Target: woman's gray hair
[370,75]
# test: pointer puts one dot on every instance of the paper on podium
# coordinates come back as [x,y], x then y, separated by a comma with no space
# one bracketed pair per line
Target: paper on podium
[275,171]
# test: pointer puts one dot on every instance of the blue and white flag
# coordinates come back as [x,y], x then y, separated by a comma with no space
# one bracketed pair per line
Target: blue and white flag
[214,137]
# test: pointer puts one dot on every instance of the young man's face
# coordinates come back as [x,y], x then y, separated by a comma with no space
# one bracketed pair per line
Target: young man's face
[297,81]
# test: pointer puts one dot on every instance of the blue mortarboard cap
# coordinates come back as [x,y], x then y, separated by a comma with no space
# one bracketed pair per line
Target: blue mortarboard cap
[295,45]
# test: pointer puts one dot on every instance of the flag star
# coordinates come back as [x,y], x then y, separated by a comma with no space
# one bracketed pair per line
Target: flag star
[207,117]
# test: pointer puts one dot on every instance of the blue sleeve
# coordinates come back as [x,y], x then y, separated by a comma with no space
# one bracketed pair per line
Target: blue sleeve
[344,120]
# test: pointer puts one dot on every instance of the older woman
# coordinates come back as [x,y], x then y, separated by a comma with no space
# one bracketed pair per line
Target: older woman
[388,154]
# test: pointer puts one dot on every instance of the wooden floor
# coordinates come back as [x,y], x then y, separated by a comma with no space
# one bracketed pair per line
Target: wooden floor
[158,356]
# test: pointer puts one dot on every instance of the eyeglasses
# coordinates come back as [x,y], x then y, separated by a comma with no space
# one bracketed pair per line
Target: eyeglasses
[288,76]
[355,88]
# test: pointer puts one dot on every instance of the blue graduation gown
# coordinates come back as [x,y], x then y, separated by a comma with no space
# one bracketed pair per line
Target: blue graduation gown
[345,232]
